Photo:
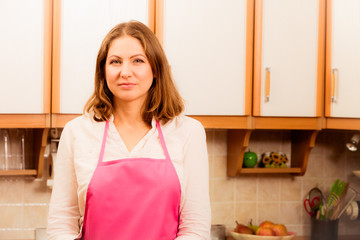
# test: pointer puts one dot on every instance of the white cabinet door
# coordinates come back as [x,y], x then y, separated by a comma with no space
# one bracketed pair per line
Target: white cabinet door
[345,58]
[21,56]
[84,24]
[286,58]
[205,42]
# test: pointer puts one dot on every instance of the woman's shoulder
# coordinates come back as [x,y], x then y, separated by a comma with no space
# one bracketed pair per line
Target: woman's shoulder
[185,124]
[84,123]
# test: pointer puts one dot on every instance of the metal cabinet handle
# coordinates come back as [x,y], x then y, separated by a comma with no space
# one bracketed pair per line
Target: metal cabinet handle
[267,85]
[334,79]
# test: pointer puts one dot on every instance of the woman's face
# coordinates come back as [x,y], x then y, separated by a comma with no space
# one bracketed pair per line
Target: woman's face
[127,71]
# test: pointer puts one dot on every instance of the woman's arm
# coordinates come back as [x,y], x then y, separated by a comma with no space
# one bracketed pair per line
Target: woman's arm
[64,215]
[195,214]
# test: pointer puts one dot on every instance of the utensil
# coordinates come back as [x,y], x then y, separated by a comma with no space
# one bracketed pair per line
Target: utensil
[312,206]
[335,192]
[339,203]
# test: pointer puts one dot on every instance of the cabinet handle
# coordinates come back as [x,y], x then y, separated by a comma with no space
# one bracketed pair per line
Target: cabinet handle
[334,76]
[267,85]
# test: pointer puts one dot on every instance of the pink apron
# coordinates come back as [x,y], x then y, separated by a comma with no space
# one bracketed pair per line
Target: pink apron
[134,198]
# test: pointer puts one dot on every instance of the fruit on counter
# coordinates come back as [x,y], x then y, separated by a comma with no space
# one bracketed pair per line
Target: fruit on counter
[265,231]
[254,228]
[241,228]
[265,228]
[279,230]
[250,159]
[266,224]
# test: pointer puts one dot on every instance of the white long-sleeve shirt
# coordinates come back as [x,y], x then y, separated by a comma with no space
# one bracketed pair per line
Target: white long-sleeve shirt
[78,154]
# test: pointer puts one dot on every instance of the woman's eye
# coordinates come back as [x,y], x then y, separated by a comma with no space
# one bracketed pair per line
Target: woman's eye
[138,61]
[114,62]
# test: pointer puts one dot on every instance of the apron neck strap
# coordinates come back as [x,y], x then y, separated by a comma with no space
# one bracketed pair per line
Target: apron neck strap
[104,142]
[162,141]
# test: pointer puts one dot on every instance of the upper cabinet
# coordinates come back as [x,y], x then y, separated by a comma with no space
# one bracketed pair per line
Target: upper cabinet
[342,57]
[25,63]
[289,58]
[79,28]
[209,46]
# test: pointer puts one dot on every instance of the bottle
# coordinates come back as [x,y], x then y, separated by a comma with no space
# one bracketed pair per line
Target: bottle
[4,149]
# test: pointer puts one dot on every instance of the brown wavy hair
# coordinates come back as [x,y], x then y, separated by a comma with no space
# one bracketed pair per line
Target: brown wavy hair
[163,101]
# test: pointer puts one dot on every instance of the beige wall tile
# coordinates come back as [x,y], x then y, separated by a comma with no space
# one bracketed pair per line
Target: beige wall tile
[290,189]
[297,228]
[223,213]
[290,213]
[220,167]
[17,234]
[315,166]
[11,190]
[210,141]
[36,191]
[35,212]
[246,188]
[11,216]
[268,188]
[224,190]
[220,143]
[268,212]
[245,211]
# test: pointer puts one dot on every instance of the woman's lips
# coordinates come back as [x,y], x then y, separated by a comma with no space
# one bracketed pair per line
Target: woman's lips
[127,85]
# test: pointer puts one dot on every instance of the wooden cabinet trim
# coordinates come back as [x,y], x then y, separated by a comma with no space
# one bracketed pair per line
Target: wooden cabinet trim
[59,120]
[224,122]
[24,120]
[249,55]
[328,58]
[257,57]
[301,123]
[56,44]
[152,15]
[159,20]
[321,60]
[343,123]
[47,56]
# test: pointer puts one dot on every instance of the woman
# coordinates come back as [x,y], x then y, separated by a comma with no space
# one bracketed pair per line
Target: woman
[132,167]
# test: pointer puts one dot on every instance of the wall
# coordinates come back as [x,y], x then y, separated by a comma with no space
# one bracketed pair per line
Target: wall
[24,201]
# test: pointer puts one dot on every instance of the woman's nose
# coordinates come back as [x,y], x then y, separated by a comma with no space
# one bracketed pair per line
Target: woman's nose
[125,70]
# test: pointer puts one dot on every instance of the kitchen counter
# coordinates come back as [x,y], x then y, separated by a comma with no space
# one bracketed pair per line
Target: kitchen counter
[308,238]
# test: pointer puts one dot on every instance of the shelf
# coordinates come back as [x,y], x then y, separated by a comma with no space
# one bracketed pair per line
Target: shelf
[302,141]
[38,141]
[270,170]
[25,172]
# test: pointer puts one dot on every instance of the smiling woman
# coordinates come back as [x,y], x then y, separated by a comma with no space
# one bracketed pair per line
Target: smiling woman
[132,161]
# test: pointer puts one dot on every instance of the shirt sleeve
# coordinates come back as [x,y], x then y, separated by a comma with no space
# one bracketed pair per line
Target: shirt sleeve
[195,214]
[64,214]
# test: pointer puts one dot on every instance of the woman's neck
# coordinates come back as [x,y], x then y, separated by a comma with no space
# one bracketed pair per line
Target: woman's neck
[128,114]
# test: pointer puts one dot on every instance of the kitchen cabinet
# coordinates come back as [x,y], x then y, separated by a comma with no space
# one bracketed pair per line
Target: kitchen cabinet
[25,63]
[79,28]
[289,58]
[342,71]
[226,29]
[209,46]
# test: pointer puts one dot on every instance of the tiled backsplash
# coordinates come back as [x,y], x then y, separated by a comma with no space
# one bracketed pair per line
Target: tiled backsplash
[278,197]
[24,201]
